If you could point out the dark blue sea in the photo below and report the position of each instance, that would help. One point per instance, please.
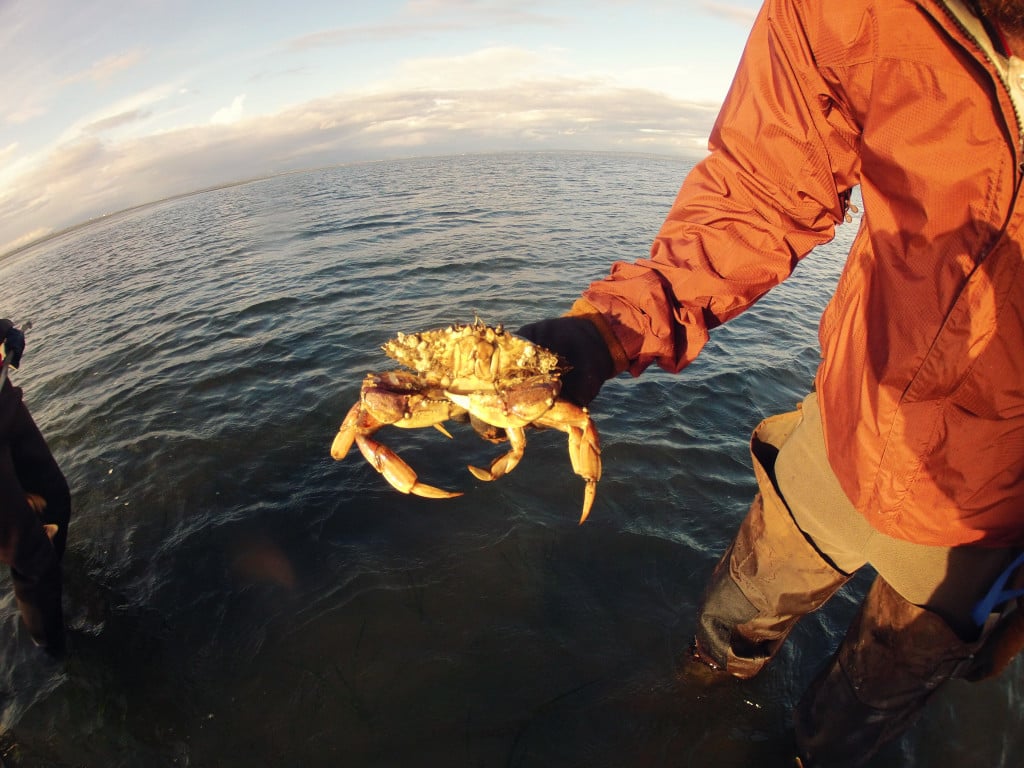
(238, 598)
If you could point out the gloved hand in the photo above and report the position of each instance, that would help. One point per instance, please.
(580, 345)
(13, 340)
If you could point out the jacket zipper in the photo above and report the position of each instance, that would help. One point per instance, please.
(1018, 182)
(993, 67)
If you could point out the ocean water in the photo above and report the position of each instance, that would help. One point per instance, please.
(238, 598)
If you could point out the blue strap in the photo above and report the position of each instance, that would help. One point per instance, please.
(998, 594)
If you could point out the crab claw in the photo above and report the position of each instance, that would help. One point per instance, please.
(589, 492)
(585, 456)
(399, 474)
(584, 446)
(347, 432)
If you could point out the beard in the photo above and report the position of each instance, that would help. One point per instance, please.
(1007, 14)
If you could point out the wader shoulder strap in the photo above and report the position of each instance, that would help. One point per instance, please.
(998, 593)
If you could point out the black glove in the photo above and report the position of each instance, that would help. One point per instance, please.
(580, 345)
(13, 341)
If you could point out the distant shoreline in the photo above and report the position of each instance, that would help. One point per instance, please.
(141, 206)
(241, 182)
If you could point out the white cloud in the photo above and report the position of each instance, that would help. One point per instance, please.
(117, 121)
(743, 15)
(128, 110)
(107, 68)
(90, 174)
(230, 114)
(23, 113)
(429, 18)
(7, 152)
(489, 68)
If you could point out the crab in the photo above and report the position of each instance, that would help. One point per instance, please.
(483, 374)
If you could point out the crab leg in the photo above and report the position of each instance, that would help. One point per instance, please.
(356, 428)
(507, 462)
(399, 474)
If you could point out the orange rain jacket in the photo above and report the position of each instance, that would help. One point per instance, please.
(921, 382)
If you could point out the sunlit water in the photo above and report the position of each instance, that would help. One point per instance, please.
(237, 598)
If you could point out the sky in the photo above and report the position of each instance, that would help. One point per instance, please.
(108, 105)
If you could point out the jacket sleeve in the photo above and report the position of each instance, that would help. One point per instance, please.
(776, 182)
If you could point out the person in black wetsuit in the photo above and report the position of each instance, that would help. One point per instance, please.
(35, 507)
